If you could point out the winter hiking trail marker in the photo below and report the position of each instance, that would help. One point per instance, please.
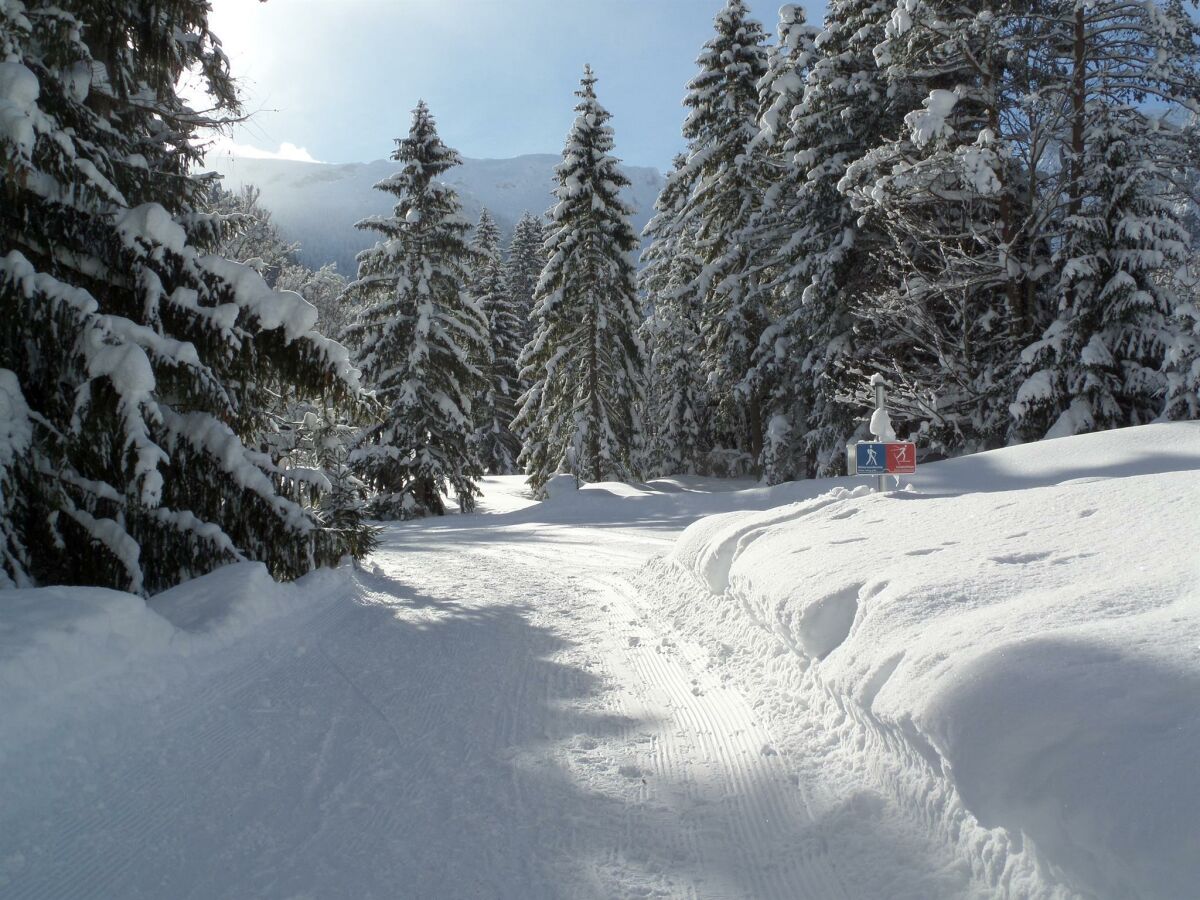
(885, 455)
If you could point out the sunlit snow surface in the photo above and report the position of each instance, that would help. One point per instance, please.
(983, 686)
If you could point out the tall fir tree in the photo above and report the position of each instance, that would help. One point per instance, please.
(1129, 75)
(938, 323)
(833, 257)
(1101, 362)
(134, 363)
(676, 403)
(495, 407)
(585, 361)
(526, 259)
(1183, 353)
(774, 231)
(420, 337)
(721, 124)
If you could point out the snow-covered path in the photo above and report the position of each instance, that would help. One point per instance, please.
(496, 717)
(517, 704)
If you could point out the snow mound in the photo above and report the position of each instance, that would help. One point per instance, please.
(1011, 647)
(229, 602)
(560, 488)
(59, 644)
(52, 639)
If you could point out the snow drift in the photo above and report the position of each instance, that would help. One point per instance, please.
(1010, 645)
(59, 645)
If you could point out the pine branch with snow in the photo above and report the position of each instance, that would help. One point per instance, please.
(145, 362)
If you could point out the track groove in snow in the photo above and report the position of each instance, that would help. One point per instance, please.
(737, 808)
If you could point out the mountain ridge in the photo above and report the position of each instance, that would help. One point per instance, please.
(316, 204)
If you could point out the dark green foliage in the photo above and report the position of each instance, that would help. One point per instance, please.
(143, 362)
(496, 405)
(420, 337)
(584, 363)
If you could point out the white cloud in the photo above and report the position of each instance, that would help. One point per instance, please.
(287, 150)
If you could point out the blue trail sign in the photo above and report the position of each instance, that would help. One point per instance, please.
(885, 458)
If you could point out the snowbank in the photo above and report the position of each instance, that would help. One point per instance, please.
(58, 645)
(1010, 646)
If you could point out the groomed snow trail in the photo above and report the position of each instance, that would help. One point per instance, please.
(495, 715)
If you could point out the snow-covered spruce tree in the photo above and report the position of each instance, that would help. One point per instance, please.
(939, 324)
(1130, 77)
(134, 363)
(485, 239)
(526, 259)
(324, 288)
(1183, 354)
(1100, 363)
(676, 414)
(584, 363)
(847, 108)
(419, 337)
(249, 235)
(774, 230)
(723, 103)
(496, 404)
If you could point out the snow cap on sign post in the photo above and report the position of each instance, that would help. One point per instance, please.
(881, 423)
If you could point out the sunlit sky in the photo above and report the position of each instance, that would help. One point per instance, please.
(335, 80)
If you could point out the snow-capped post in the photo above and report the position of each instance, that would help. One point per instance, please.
(885, 455)
(881, 423)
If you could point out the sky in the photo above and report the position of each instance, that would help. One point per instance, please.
(336, 80)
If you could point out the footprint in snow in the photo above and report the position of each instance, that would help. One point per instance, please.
(1016, 559)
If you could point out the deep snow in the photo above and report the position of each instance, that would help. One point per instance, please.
(984, 685)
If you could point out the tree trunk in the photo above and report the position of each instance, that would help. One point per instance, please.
(594, 387)
(755, 425)
(1078, 110)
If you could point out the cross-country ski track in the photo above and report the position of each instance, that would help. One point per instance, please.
(495, 712)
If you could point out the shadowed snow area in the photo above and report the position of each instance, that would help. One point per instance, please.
(982, 685)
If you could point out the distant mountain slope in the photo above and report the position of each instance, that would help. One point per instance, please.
(317, 204)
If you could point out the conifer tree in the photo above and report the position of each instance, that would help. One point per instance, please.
(1183, 353)
(526, 259)
(485, 239)
(1100, 363)
(1111, 354)
(134, 363)
(419, 337)
(833, 257)
(722, 123)
(585, 360)
(496, 404)
(676, 404)
(771, 236)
